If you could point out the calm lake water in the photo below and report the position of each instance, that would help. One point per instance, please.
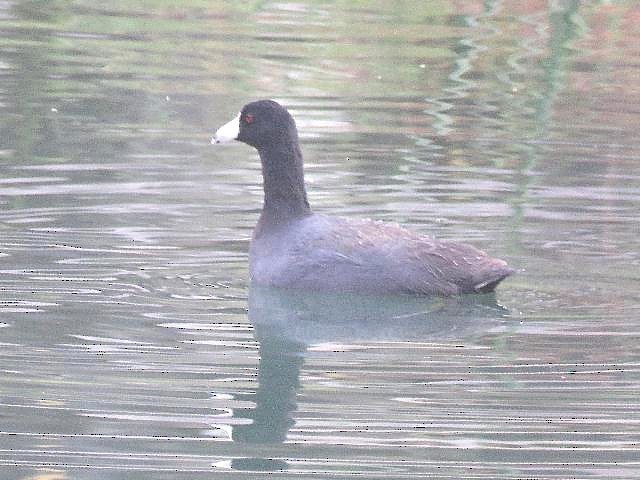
(131, 344)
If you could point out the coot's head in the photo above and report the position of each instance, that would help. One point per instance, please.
(260, 124)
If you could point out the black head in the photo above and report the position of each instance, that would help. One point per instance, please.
(260, 124)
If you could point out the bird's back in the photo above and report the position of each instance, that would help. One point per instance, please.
(339, 254)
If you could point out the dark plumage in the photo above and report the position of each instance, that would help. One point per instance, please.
(293, 247)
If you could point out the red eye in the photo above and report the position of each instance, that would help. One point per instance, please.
(249, 118)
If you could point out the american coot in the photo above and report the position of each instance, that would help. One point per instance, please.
(292, 247)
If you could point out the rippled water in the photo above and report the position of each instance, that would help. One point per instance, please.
(131, 343)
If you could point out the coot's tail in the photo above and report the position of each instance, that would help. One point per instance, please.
(491, 278)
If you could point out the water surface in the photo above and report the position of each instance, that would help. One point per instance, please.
(131, 341)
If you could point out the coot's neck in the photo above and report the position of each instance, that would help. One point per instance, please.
(285, 197)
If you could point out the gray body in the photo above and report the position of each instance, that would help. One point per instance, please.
(351, 255)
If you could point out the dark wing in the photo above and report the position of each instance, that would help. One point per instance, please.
(374, 256)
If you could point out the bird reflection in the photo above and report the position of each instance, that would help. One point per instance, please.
(287, 322)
